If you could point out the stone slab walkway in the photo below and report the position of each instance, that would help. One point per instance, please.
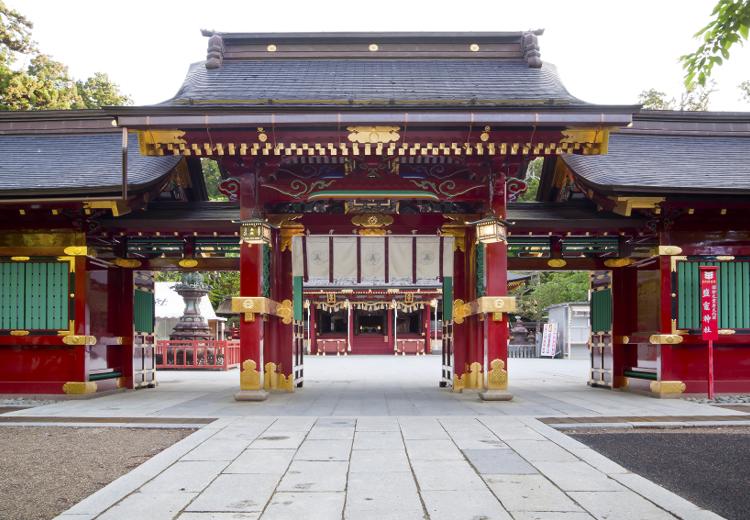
(357, 386)
(454, 468)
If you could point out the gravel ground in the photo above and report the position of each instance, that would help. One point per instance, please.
(708, 466)
(45, 470)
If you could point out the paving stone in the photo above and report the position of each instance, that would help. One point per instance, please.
(307, 506)
(551, 515)
(599, 461)
(656, 494)
(619, 505)
(365, 440)
(421, 428)
(377, 424)
(307, 475)
(378, 461)
(324, 450)
(261, 461)
(280, 440)
(577, 476)
(541, 451)
(328, 432)
(529, 493)
(219, 516)
(432, 450)
(499, 461)
(236, 493)
(217, 450)
(483, 443)
(335, 422)
(463, 505)
(291, 424)
(149, 505)
(185, 476)
(445, 475)
(382, 495)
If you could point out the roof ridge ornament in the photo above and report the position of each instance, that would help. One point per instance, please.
(215, 53)
(530, 47)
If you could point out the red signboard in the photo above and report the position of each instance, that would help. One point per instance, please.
(709, 303)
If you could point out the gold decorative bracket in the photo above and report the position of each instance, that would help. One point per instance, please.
(76, 340)
(252, 305)
(665, 339)
(494, 305)
(625, 205)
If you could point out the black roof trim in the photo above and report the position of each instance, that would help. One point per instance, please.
(369, 37)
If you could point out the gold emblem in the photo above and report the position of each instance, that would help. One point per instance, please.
(373, 134)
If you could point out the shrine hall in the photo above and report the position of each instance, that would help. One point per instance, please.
(372, 184)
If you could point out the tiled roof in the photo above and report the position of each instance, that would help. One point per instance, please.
(374, 82)
(650, 163)
(34, 164)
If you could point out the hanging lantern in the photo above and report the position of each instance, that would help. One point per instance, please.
(490, 230)
(255, 231)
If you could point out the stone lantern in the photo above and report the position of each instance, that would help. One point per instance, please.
(519, 333)
(192, 325)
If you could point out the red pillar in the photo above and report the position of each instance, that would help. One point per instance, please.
(460, 340)
(251, 324)
(121, 294)
(497, 285)
(624, 317)
(313, 325)
(426, 328)
(389, 313)
(284, 353)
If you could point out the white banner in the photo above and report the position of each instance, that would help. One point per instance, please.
(549, 340)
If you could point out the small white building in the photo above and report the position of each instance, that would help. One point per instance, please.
(573, 328)
(169, 307)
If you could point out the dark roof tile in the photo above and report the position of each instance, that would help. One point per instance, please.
(77, 163)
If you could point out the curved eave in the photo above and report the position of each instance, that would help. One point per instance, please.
(527, 115)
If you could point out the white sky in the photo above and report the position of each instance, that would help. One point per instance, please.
(606, 51)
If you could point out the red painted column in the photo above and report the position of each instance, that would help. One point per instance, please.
(460, 353)
(251, 325)
(82, 317)
(496, 271)
(121, 290)
(426, 328)
(313, 325)
(284, 346)
(624, 308)
(389, 313)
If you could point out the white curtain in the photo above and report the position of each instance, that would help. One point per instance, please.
(400, 259)
(345, 260)
(372, 258)
(317, 259)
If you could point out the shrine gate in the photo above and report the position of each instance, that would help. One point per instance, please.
(371, 181)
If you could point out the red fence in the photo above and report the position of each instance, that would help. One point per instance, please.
(202, 354)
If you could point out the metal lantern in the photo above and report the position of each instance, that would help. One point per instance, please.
(490, 230)
(255, 231)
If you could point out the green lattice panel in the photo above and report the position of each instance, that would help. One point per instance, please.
(143, 311)
(34, 296)
(734, 294)
(601, 311)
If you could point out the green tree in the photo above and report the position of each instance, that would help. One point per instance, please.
(533, 174)
(224, 284)
(695, 98)
(99, 91)
(729, 25)
(212, 177)
(744, 91)
(45, 84)
(550, 288)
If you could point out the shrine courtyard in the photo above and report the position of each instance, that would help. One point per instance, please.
(381, 444)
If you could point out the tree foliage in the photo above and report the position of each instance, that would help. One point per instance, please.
(533, 174)
(223, 284)
(744, 91)
(729, 25)
(547, 289)
(44, 84)
(695, 98)
(212, 177)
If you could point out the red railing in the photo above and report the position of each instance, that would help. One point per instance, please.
(201, 354)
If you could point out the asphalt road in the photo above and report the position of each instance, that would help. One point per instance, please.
(711, 468)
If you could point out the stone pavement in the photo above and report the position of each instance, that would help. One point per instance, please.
(374, 437)
(453, 468)
(356, 386)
